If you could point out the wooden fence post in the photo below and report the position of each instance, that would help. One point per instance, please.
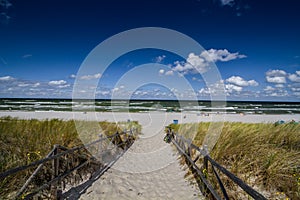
(131, 132)
(55, 164)
(120, 141)
(205, 163)
(100, 147)
(205, 173)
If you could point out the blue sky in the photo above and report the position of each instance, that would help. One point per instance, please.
(255, 45)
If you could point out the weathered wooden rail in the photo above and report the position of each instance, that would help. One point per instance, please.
(62, 164)
(185, 147)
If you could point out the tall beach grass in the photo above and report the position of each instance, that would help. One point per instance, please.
(24, 141)
(265, 156)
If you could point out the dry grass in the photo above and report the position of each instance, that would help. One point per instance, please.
(266, 156)
(25, 141)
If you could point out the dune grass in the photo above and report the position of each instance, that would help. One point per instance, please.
(25, 141)
(265, 156)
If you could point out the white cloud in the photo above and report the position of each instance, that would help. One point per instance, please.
(298, 73)
(294, 77)
(140, 93)
(159, 59)
(295, 89)
(104, 93)
(24, 88)
(199, 63)
(23, 84)
(227, 2)
(36, 85)
(194, 64)
(55, 83)
(213, 89)
(214, 55)
(276, 76)
(297, 94)
(269, 88)
(167, 73)
(275, 92)
(170, 73)
(276, 72)
(239, 81)
(64, 86)
(26, 56)
(180, 67)
(279, 86)
(72, 76)
(205, 91)
(253, 83)
(6, 78)
(120, 88)
(90, 77)
(282, 93)
(233, 88)
(115, 89)
(174, 90)
(276, 79)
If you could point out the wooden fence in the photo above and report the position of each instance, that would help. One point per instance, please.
(185, 147)
(61, 161)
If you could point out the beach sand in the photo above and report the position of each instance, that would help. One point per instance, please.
(147, 118)
(150, 168)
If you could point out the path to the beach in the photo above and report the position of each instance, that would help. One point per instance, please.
(148, 170)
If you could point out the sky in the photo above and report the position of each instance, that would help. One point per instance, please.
(254, 45)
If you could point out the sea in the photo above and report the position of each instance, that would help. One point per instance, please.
(106, 105)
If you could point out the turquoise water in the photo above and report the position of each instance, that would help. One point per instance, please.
(149, 105)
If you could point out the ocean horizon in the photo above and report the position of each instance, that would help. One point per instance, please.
(148, 105)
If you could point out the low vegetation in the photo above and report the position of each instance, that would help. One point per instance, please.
(25, 141)
(265, 156)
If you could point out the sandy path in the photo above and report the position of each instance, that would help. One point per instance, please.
(148, 170)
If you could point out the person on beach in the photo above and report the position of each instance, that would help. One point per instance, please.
(168, 137)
